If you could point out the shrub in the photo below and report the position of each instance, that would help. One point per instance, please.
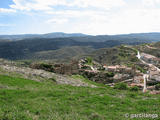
(47, 66)
(132, 95)
(101, 68)
(134, 59)
(121, 86)
(89, 60)
(109, 74)
(135, 88)
(141, 69)
(43, 66)
(122, 54)
(157, 87)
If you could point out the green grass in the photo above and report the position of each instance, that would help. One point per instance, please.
(22, 99)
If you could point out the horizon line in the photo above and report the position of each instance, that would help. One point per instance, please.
(76, 33)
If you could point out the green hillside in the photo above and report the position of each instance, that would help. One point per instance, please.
(46, 95)
(27, 48)
(62, 55)
(23, 99)
(116, 55)
(153, 49)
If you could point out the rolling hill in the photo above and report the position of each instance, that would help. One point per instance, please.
(154, 37)
(60, 45)
(27, 93)
(48, 35)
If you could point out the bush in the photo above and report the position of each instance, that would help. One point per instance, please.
(135, 88)
(134, 59)
(89, 60)
(109, 74)
(132, 95)
(47, 66)
(43, 66)
(141, 69)
(122, 54)
(157, 87)
(121, 86)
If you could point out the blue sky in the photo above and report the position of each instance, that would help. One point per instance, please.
(79, 16)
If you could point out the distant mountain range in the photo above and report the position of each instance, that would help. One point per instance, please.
(65, 46)
(48, 35)
(155, 36)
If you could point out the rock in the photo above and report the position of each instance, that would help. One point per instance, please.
(41, 75)
(156, 78)
(155, 92)
(151, 88)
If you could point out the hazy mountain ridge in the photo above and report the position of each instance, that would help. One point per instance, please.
(20, 49)
(48, 35)
(83, 37)
(30, 48)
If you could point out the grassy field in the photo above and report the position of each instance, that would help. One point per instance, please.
(22, 99)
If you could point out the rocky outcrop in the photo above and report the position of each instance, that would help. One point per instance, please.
(121, 77)
(154, 92)
(150, 58)
(39, 75)
(67, 69)
(98, 77)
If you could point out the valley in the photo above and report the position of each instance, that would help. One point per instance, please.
(71, 78)
(40, 48)
(79, 60)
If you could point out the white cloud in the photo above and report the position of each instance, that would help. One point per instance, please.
(6, 25)
(108, 22)
(3, 10)
(30, 5)
(76, 13)
(57, 21)
(48, 4)
(93, 16)
(102, 4)
(151, 3)
(131, 21)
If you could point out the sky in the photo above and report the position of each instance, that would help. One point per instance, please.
(94, 17)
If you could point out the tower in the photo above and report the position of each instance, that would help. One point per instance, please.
(145, 77)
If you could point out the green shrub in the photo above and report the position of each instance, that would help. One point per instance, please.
(109, 74)
(141, 69)
(101, 68)
(121, 86)
(135, 88)
(89, 60)
(122, 54)
(157, 87)
(43, 66)
(132, 95)
(134, 59)
(46, 65)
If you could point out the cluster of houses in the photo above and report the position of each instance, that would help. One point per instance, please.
(150, 58)
(123, 73)
(117, 68)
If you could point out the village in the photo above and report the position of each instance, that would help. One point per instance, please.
(144, 74)
(121, 73)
